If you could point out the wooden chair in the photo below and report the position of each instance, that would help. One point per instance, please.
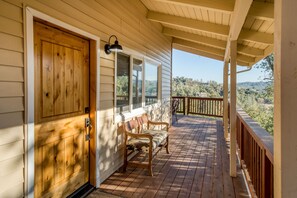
(174, 107)
(144, 140)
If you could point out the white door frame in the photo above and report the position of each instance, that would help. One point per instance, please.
(29, 98)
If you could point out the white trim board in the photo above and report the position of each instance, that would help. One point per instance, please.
(29, 98)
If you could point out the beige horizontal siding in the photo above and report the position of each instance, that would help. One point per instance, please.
(11, 74)
(11, 27)
(12, 184)
(11, 104)
(105, 71)
(11, 119)
(11, 42)
(11, 89)
(16, 190)
(11, 100)
(11, 150)
(106, 87)
(10, 11)
(11, 58)
(11, 134)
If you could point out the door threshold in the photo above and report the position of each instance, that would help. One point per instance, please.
(83, 191)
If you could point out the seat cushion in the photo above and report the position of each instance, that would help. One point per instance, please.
(143, 143)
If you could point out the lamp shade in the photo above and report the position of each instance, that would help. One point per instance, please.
(116, 47)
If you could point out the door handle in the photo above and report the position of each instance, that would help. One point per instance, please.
(88, 125)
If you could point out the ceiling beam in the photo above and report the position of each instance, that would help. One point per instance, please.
(198, 52)
(216, 5)
(210, 50)
(242, 49)
(259, 10)
(199, 47)
(222, 30)
(257, 37)
(262, 10)
(249, 51)
(195, 38)
(241, 9)
(193, 24)
(205, 54)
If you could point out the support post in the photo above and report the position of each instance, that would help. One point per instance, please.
(225, 102)
(233, 55)
(285, 97)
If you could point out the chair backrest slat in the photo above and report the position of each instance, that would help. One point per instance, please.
(131, 126)
(143, 122)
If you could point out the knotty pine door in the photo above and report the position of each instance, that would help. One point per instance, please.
(61, 98)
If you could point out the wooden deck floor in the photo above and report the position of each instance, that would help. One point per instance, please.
(197, 166)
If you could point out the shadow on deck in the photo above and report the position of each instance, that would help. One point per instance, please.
(197, 166)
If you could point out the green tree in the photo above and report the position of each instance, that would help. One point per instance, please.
(259, 104)
(267, 64)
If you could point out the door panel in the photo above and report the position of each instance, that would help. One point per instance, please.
(61, 96)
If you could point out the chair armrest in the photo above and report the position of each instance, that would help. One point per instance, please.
(139, 135)
(159, 123)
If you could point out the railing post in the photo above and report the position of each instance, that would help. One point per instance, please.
(225, 105)
(184, 105)
(188, 105)
(263, 176)
(233, 54)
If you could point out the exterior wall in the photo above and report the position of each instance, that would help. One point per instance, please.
(124, 18)
(11, 100)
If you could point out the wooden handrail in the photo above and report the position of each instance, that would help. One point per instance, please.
(255, 149)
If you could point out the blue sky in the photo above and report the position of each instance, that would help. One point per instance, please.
(198, 67)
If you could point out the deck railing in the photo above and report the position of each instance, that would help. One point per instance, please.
(122, 99)
(255, 149)
(200, 106)
(151, 100)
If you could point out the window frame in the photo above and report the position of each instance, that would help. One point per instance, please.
(115, 83)
(123, 116)
(132, 57)
(159, 78)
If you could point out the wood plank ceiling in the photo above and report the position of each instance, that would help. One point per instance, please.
(206, 27)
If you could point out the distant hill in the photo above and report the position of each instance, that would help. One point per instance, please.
(254, 85)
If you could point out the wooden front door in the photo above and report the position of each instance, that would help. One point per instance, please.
(61, 107)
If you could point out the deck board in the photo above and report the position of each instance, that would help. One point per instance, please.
(197, 166)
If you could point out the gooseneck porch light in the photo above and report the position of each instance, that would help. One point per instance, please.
(114, 47)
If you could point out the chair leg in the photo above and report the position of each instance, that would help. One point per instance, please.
(167, 145)
(150, 165)
(125, 160)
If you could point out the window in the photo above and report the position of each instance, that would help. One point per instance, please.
(123, 82)
(151, 83)
(136, 83)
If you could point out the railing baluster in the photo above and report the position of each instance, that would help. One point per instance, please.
(200, 106)
(256, 157)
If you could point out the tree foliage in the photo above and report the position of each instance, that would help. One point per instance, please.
(256, 98)
(259, 104)
(267, 65)
(182, 86)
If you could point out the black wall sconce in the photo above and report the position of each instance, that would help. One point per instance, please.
(114, 47)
